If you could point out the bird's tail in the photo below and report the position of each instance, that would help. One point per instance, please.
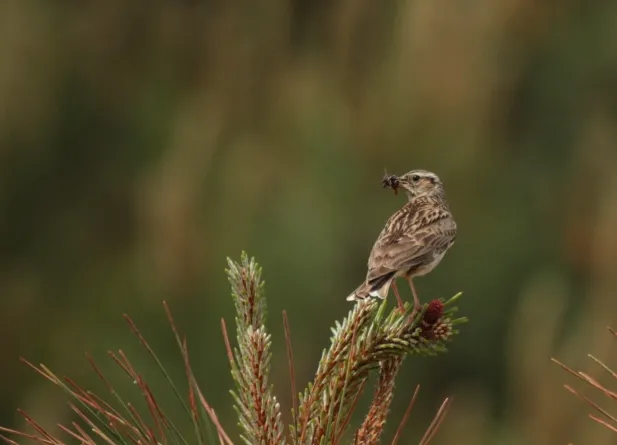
(376, 288)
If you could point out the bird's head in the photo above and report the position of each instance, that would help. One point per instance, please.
(420, 183)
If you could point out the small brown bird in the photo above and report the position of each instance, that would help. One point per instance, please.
(414, 240)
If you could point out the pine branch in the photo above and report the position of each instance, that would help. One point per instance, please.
(247, 292)
(371, 429)
(359, 345)
(359, 317)
(257, 407)
(364, 342)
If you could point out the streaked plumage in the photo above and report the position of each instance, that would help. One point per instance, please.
(414, 239)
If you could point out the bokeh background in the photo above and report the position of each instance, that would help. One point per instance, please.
(141, 143)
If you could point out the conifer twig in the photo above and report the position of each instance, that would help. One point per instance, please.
(371, 429)
(359, 344)
(310, 407)
(257, 407)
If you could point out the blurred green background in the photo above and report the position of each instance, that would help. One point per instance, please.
(141, 143)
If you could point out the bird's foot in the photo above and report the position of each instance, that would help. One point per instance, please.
(401, 306)
(417, 308)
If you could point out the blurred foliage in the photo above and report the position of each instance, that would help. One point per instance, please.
(143, 142)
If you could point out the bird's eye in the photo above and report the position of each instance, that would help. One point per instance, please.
(415, 178)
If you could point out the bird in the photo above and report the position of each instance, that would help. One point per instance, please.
(414, 239)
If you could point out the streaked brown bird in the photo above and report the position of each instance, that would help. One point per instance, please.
(414, 240)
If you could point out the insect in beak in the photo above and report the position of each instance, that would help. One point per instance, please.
(390, 181)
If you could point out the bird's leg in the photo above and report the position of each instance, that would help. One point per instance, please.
(401, 307)
(416, 301)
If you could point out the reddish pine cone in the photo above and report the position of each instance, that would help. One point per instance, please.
(433, 312)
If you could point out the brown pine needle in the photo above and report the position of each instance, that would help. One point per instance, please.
(593, 382)
(605, 367)
(603, 417)
(98, 372)
(73, 434)
(110, 412)
(122, 365)
(436, 423)
(603, 422)
(145, 429)
(192, 401)
(91, 424)
(292, 371)
(155, 412)
(212, 415)
(591, 403)
(230, 354)
(587, 379)
(39, 429)
(195, 389)
(399, 430)
(10, 441)
(352, 408)
(52, 378)
(23, 434)
(79, 429)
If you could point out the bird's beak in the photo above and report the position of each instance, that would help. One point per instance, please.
(399, 185)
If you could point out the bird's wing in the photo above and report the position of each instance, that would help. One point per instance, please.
(410, 237)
